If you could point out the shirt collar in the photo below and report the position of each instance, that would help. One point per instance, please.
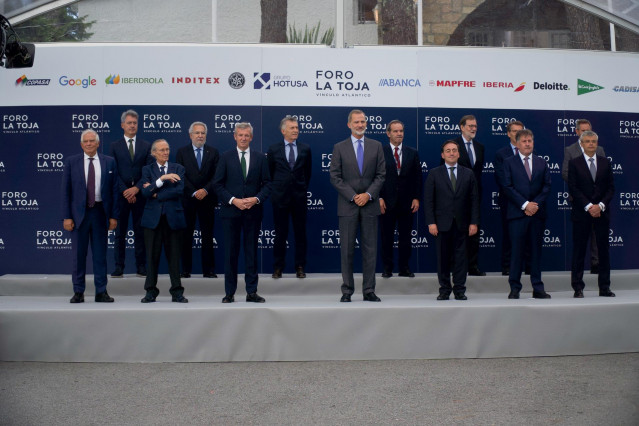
(287, 142)
(465, 141)
(86, 157)
(126, 139)
(398, 146)
(354, 139)
(195, 148)
(165, 165)
(239, 151)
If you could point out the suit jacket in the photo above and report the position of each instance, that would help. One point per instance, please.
(400, 190)
(519, 189)
(168, 200)
(196, 178)
(287, 184)
(441, 204)
(130, 172)
(501, 155)
(574, 151)
(229, 182)
(584, 191)
(74, 188)
(348, 181)
(464, 160)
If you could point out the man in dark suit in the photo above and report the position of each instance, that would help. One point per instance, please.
(163, 220)
(575, 150)
(399, 198)
(502, 154)
(242, 183)
(131, 154)
(357, 172)
(452, 213)
(290, 165)
(199, 161)
(591, 185)
(526, 185)
(89, 211)
(471, 155)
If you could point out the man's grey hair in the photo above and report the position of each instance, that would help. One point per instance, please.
(588, 133)
(97, 137)
(198, 123)
(242, 126)
(128, 112)
(156, 142)
(286, 120)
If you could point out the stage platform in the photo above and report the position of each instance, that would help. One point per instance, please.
(302, 320)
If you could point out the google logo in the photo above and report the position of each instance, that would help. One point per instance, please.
(83, 82)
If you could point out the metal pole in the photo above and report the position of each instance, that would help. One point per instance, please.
(339, 24)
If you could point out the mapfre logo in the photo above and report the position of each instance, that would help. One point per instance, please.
(453, 83)
(24, 81)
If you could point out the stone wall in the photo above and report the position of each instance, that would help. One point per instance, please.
(441, 18)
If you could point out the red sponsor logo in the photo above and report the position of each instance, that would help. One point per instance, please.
(453, 83)
(520, 87)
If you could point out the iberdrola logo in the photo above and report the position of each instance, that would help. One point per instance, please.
(112, 79)
(584, 87)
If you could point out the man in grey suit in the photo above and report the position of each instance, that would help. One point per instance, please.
(357, 172)
(575, 151)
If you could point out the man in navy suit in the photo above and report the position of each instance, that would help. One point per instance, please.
(591, 185)
(452, 213)
(399, 199)
(471, 155)
(89, 211)
(131, 154)
(526, 185)
(242, 183)
(502, 154)
(290, 165)
(199, 161)
(163, 220)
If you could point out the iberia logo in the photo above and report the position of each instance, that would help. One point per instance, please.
(112, 79)
(584, 87)
(521, 87)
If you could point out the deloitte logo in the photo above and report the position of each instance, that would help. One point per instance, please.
(584, 87)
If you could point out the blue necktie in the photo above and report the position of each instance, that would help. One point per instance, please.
(291, 156)
(198, 156)
(161, 170)
(471, 158)
(360, 156)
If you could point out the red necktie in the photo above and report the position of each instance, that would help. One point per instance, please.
(397, 159)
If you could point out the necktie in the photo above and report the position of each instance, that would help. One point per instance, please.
(593, 169)
(91, 184)
(198, 157)
(397, 160)
(161, 170)
(453, 179)
(131, 153)
(291, 156)
(360, 156)
(516, 151)
(527, 167)
(471, 157)
(243, 163)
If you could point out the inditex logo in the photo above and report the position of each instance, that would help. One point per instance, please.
(195, 80)
(24, 81)
(77, 82)
(584, 87)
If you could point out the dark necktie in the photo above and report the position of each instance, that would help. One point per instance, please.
(527, 167)
(516, 151)
(161, 170)
(593, 169)
(471, 157)
(291, 156)
(397, 160)
(243, 164)
(453, 179)
(91, 184)
(360, 156)
(131, 152)
(198, 157)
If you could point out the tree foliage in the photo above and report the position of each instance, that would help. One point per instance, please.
(59, 25)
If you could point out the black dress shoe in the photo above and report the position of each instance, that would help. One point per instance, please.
(229, 298)
(141, 271)
(540, 295)
(606, 293)
(387, 274)
(505, 272)
(255, 298)
(594, 269)
(578, 294)
(185, 275)
(443, 297)
(476, 272)
(103, 298)
(513, 294)
(460, 296)
(277, 274)
(210, 275)
(118, 273)
(149, 298)
(179, 299)
(299, 272)
(371, 297)
(406, 273)
(345, 298)
(77, 298)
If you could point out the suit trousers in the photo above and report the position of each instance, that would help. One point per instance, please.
(580, 236)
(171, 239)
(246, 229)
(120, 242)
(403, 219)
(505, 237)
(92, 230)
(348, 226)
(204, 212)
(296, 210)
(451, 251)
(526, 231)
